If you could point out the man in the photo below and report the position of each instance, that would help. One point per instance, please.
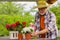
(45, 22)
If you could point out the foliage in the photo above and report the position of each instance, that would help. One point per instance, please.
(27, 30)
(58, 38)
(8, 19)
(10, 13)
(56, 10)
(10, 8)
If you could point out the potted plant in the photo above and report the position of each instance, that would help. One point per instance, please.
(27, 31)
(20, 35)
(15, 28)
(19, 28)
(12, 31)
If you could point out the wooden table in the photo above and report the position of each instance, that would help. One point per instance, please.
(7, 38)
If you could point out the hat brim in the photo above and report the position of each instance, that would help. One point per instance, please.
(40, 6)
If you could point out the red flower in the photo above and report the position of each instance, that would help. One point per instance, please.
(8, 26)
(23, 23)
(17, 23)
(13, 25)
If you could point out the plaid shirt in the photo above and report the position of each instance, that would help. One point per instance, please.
(50, 24)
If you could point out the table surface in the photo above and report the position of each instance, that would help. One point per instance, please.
(7, 38)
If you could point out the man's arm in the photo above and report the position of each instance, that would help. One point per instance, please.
(50, 26)
(43, 31)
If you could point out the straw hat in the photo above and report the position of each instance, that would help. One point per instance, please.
(44, 3)
(41, 4)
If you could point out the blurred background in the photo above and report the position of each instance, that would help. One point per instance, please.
(11, 12)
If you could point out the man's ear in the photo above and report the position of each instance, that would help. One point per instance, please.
(51, 1)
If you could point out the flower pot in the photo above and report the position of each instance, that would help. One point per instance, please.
(28, 36)
(20, 36)
(13, 34)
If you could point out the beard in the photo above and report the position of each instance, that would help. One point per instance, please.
(43, 12)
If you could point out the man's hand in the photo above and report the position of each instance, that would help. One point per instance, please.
(35, 33)
(40, 32)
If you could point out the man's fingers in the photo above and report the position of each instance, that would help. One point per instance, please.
(32, 34)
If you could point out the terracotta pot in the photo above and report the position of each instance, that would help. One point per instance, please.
(28, 36)
(20, 36)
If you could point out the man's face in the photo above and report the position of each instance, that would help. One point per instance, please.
(42, 10)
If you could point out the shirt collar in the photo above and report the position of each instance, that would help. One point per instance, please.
(47, 12)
